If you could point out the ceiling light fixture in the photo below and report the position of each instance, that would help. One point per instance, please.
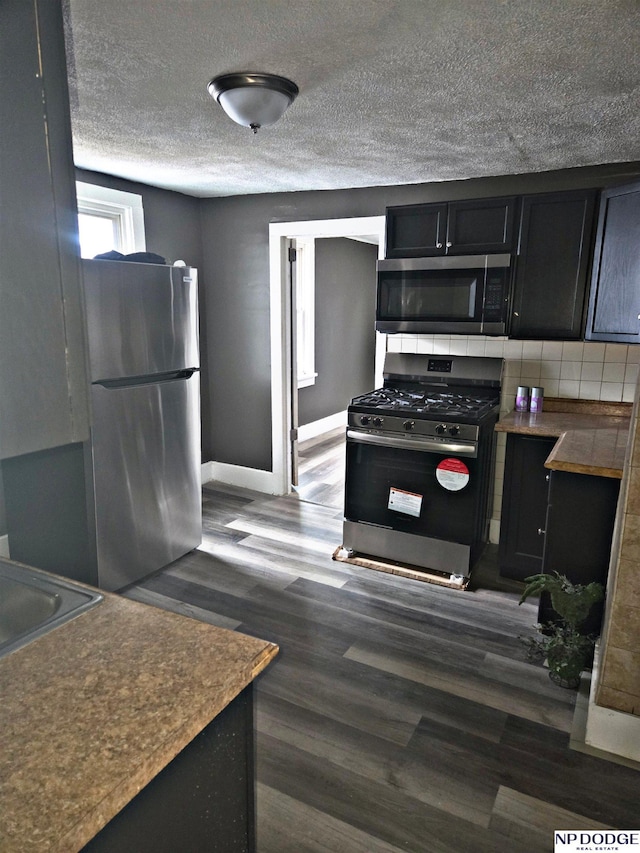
(253, 100)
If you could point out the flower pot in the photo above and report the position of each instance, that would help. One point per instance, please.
(569, 683)
(566, 665)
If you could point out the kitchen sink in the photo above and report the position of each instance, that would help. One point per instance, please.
(33, 602)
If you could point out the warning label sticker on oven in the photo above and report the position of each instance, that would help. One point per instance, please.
(452, 474)
(407, 502)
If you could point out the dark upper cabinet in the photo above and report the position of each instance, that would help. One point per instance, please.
(554, 250)
(416, 230)
(614, 305)
(483, 225)
(456, 228)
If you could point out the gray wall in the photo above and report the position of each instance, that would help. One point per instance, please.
(3, 515)
(235, 234)
(345, 307)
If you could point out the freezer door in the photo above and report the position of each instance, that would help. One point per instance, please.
(141, 318)
(147, 482)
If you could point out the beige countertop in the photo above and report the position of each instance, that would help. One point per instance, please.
(592, 437)
(93, 710)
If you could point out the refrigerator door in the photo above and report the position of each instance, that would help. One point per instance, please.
(141, 318)
(147, 484)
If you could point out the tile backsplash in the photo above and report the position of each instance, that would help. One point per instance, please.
(576, 370)
(582, 371)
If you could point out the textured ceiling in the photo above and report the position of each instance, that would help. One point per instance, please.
(391, 91)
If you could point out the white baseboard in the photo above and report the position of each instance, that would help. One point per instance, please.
(243, 478)
(266, 481)
(315, 428)
(609, 730)
(4, 546)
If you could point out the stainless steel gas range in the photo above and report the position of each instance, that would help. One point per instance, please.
(420, 462)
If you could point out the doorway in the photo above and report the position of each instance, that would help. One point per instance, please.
(333, 349)
(369, 229)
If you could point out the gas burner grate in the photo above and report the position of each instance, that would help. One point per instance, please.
(427, 402)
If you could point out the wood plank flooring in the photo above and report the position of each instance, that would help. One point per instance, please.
(321, 469)
(399, 715)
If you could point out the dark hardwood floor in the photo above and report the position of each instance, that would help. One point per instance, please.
(321, 469)
(399, 715)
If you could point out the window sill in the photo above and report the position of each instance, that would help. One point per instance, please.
(307, 381)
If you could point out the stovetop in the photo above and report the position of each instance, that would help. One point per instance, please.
(430, 403)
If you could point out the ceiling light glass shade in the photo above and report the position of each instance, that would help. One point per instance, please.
(253, 100)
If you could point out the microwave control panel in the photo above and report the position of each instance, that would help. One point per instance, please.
(494, 297)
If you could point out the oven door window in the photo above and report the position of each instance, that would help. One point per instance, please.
(430, 295)
(378, 476)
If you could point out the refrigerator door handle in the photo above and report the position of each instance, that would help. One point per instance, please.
(166, 376)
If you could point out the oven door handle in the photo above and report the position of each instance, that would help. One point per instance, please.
(413, 443)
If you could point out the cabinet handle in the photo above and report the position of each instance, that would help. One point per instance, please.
(541, 532)
(439, 246)
(449, 245)
(515, 314)
(548, 476)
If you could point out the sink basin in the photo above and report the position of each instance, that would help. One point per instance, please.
(33, 602)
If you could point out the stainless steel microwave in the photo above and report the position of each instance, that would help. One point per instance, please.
(464, 295)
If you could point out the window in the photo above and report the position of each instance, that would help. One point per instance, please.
(109, 219)
(305, 280)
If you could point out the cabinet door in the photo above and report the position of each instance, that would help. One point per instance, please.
(479, 226)
(43, 381)
(614, 308)
(416, 230)
(524, 506)
(549, 296)
(579, 529)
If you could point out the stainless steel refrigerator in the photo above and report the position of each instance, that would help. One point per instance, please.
(128, 502)
(142, 328)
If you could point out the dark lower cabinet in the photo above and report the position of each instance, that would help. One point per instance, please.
(524, 506)
(202, 802)
(579, 528)
(554, 521)
(554, 251)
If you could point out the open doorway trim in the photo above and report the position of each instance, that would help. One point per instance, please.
(280, 309)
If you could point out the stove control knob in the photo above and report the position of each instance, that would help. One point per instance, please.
(365, 420)
(377, 422)
(409, 425)
(441, 429)
(454, 430)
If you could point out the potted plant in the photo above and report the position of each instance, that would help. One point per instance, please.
(567, 649)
